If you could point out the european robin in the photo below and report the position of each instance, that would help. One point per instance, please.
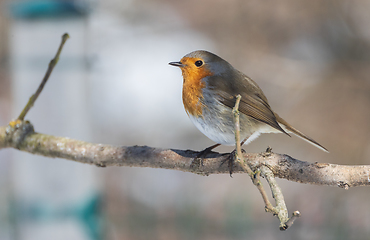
(210, 87)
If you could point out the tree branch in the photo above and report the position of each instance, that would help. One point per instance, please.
(22, 137)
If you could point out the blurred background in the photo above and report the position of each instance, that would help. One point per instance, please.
(113, 85)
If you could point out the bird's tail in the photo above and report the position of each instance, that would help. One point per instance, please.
(290, 129)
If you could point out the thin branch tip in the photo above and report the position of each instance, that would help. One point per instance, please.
(289, 223)
(51, 66)
(65, 37)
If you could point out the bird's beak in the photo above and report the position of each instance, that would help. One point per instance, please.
(177, 64)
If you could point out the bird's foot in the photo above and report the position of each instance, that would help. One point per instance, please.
(198, 161)
(230, 158)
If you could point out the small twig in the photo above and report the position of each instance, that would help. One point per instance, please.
(295, 215)
(239, 158)
(239, 155)
(257, 182)
(280, 210)
(52, 64)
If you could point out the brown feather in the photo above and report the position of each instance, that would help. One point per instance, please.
(253, 107)
(290, 128)
(253, 102)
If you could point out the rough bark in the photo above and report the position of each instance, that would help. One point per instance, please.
(22, 137)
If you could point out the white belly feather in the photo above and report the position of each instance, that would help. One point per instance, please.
(214, 132)
(224, 134)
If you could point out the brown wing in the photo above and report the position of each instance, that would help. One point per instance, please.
(253, 102)
(253, 106)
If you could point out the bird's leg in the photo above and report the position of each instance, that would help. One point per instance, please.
(231, 158)
(198, 160)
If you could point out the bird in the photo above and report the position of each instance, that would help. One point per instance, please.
(210, 87)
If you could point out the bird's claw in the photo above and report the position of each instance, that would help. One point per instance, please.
(231, 160)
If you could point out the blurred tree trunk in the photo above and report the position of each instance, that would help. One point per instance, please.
(4, 63)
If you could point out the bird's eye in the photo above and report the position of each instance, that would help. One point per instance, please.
(198, 63)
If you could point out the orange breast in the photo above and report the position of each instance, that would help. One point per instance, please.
(192, 89)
